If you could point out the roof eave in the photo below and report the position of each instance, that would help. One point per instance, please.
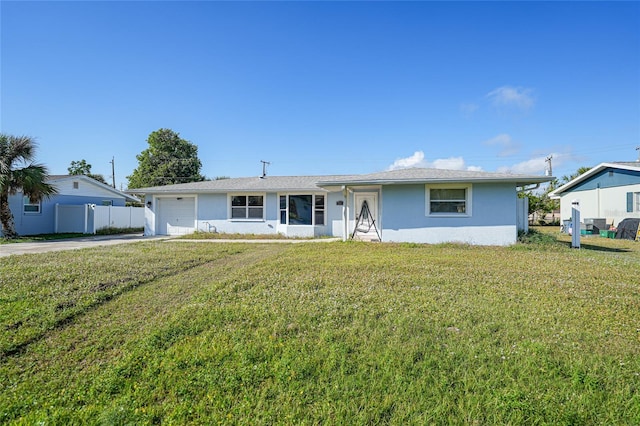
(105, 186)
(518, 180)
(557, 193)
(226, 191)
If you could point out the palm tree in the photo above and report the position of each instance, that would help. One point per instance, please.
(19, 173)
(581, 170)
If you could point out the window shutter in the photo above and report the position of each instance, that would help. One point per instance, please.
(629, 202)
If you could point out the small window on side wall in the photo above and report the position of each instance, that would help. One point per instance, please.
(29, 207)
(633, 202)
(448, 200)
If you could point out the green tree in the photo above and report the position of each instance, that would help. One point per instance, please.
(568, 178)
(79, 168)
(83, 168)
(540, 205)
(168, 160)
(19, 173)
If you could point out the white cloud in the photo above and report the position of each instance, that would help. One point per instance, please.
(451, 163)
(508, 96)
(538, 165)
(418, 160)
(468, 108)
(506, 143)
(534, 166)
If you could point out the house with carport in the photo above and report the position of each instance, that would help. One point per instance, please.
(409, 205)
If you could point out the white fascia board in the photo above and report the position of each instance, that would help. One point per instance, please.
(517, 180)
(557, 193)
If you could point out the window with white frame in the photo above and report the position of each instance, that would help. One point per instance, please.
(247, 207)
(302, 209)
(448, 200)
(633, 202)
(29, 207)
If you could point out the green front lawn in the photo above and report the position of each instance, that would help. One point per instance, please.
(65, 236)
(40, 238)
(335, 333)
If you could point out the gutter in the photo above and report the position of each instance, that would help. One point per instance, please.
(524, 188)
(426, 181)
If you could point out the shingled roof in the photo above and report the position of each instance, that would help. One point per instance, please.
(420, 175)
(54, 179)
(245, 184)
(317, 183)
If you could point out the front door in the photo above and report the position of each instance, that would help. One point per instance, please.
(366, 225)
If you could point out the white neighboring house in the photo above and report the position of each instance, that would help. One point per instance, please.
(608, 191)
(409, 205)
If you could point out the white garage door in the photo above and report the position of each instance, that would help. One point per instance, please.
(176, 216)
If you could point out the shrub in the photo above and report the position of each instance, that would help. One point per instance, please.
(536, 237)
(114, 231)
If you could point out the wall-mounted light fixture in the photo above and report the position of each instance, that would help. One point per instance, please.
(148, 204)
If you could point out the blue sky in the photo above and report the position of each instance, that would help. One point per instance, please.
(325, 87)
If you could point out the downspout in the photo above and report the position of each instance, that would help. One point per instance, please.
(55, 219)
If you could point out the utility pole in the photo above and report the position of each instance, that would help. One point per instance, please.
(549, 171)
(264, 168)
(113, 171)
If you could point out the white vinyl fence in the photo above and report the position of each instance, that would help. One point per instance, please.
(89, 218)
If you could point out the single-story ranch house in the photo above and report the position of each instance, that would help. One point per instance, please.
(409, 205)
(52, 215)
(608, 191)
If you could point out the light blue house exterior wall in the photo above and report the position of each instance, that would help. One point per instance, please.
(399, 207)
(401, 213)
(492, 221)
(213, 216)
(44, 221)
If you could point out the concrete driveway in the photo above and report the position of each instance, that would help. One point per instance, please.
(72, 243)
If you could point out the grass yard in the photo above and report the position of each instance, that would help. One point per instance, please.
(39, 238)
(224, 236)
(65, 236)
(335, 333)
